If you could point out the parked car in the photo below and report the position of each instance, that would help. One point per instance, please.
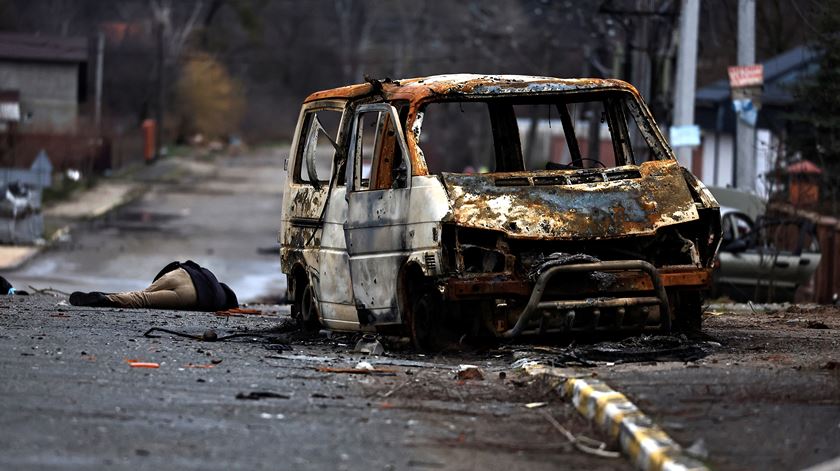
(414, 207)
(765, 260)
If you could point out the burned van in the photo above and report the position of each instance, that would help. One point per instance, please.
(500, 205)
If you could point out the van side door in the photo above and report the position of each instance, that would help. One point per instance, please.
(378, 189)
(315, 210)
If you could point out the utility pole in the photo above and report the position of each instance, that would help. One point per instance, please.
(161, 89)
(640, 53)
(744, 175)
(686, 75)
(100, 58)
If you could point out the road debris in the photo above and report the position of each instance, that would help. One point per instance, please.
(816, 325)
(210, 335)
(207, 336)
(698, 450)
(358, 371)
(830, 365)
(398, 387)
(364, 365)
(49, 291)
(238, 311)
(469, 372)
(535, 405)
(142, 364)
(324, 396)
(257, 395)
(582, 443)
(370, 345)
(645, 348)
(266, 415)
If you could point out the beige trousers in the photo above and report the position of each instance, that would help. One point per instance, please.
(173, 290)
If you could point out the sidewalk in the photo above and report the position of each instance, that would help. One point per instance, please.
(94, 202)
(89, 204)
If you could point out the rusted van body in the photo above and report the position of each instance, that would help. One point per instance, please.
(424, 206)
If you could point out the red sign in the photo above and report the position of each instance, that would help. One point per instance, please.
(746, 75)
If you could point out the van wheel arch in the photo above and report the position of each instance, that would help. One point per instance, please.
(298, 280)
(411, 277)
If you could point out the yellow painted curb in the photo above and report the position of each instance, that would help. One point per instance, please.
(646, 445)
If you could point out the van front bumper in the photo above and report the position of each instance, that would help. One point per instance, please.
(634, 285)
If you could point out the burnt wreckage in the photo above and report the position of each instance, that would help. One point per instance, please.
(465, 203)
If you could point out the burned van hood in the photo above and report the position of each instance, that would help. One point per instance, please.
(617, 202)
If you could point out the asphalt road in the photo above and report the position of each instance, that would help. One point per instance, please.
(71, 400)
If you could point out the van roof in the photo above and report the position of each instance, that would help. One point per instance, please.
(414, 89)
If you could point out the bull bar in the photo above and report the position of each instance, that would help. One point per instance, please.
(536, 305)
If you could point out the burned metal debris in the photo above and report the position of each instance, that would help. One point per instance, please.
(638, 349)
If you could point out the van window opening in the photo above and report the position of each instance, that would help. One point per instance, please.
(594, 130)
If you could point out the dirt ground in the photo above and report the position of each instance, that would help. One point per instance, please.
(767, 397)
(801, 336)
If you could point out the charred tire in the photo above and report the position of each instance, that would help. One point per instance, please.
(428, 327)
(310, 318)
(688, 311)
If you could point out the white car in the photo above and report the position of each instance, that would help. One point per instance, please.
(764, 260)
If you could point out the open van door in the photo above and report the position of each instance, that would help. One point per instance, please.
(378, 188)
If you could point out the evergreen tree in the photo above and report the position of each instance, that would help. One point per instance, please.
(816, 125)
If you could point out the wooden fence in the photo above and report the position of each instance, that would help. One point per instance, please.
(825, 285)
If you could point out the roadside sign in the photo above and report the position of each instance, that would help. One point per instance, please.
(746, 76)
(685, 136)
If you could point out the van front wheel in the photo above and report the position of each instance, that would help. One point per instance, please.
(430, 329)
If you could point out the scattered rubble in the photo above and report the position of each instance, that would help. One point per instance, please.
(257, 395)
(535, 405)
(469, 372)
(358, 371)
(370, 345)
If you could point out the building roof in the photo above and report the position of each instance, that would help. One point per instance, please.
(780, 74)
(804, 166)
(40, 48)
(469, 85)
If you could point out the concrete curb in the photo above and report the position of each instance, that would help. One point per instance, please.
(646, 445)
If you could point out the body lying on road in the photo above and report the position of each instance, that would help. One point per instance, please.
(179, 285)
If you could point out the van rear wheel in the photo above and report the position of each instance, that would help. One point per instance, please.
(309, 316)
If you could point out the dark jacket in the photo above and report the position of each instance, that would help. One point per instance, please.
(212, 295)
